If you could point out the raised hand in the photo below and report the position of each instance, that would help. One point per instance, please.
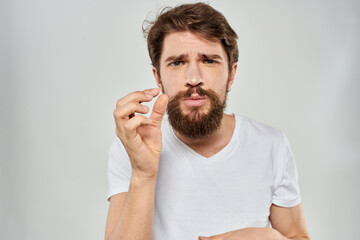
(141, 136)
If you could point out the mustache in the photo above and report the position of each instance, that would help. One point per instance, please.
(196, 89)
(175, 100)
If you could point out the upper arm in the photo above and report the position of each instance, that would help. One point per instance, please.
(289, 221)
(116, 204)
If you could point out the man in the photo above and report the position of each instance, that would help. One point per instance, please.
(199, 172)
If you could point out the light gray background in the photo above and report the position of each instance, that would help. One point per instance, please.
(65, 63)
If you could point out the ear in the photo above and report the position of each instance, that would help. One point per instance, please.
(157, 78)
(232, 76)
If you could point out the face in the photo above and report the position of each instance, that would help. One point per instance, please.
(194, 73)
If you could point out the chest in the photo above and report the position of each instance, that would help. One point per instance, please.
(232, 193)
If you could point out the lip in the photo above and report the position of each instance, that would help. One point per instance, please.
(195, 101)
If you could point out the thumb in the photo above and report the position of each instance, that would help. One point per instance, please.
(159, 108)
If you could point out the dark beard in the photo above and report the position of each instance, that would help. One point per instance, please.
(196, 125)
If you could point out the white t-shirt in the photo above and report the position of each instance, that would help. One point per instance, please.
(233, 189)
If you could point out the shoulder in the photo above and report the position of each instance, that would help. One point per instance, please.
(255, 128)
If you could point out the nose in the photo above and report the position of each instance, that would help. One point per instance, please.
(193, 76)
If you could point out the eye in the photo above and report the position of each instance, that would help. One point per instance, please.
(210, 61)
(176, 63)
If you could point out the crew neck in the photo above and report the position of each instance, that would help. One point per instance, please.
(217, 156)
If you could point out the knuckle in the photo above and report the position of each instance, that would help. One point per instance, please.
(116, 114)
(142, 93)
(136, 94)
(119, 103)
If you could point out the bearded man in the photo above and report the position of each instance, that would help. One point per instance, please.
(198, 173)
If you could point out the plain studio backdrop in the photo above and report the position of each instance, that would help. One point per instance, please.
(65, 63)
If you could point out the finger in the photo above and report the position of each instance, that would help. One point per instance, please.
(130, 109)
(206, 238)
(138, 96)
(134, 123)
(210, 238)
(217, 237)
(159, 108)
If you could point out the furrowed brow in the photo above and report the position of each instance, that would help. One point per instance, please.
(211, 56)
(175, 58)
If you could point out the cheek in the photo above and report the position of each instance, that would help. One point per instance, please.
(218, 83)
(172, 84)
(169, 89)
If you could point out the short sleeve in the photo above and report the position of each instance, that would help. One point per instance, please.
(286, 192)
(119, 169)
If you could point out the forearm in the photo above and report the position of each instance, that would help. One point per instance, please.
(279, 236)
(293, 238)
(265, 233)
(136, 218)
(298, 238)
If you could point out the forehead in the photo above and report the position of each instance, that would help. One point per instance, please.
(187, 43)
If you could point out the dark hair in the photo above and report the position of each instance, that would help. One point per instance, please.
(198, 18)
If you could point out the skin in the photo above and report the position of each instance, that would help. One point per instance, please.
(142, 139)
(187, 60)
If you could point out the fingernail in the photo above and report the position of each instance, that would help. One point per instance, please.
(148, 95)
(145, 107)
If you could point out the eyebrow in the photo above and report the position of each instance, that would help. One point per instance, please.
(175, 58)
(211, 56)
(183, 56)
